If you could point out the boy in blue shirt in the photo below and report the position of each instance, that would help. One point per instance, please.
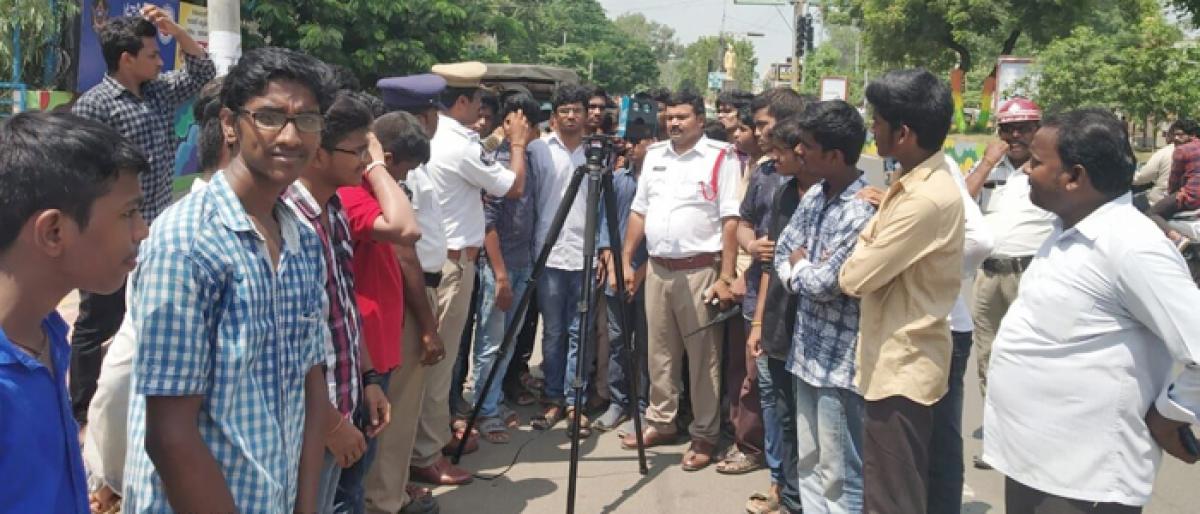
(69, 219)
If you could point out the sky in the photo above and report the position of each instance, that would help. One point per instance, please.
(694, 18)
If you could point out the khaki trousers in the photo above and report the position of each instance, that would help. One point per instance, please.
(674, 307)
(453, 305)
(388, 476)
(994, 294)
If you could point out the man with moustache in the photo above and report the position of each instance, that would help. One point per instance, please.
(1018, 226)
(686, 207)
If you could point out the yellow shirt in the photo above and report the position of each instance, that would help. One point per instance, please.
(907, 269)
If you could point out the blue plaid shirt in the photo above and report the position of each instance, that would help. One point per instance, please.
(826, 334)
(213, 319)
(148, 121)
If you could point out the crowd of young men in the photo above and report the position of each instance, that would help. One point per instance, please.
(295, 323)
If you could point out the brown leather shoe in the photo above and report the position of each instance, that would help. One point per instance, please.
(452, 446)
(698, 456)
(441, 473)
(651, 437)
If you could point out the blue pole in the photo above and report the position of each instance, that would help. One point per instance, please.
(16, 53)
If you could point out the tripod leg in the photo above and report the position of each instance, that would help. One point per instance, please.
(522, 306)
(632, 361)
(586, 307)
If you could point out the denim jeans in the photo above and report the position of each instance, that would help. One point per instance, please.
(489, 335)
(829, 432)
(558, 296)
(777, 398)
(327, 488)
(618, 374)
(946, 444)
(351, 495)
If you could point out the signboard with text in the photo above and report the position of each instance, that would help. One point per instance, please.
(834, 88)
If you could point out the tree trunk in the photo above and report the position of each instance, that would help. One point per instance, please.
(964, 55)
(1011, 42)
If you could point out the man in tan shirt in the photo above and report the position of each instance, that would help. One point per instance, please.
(907, 268)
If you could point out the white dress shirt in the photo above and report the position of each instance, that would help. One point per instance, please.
(1018, 226)
(1104, 311)
(977, 245)
(556, 164)
(457, 172)
(431, 248)
(683, 214)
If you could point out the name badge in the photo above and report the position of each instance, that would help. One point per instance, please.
(659, 168)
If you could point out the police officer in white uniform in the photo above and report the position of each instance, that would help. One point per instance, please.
(686, 207)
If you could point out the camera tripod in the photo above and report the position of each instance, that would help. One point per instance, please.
(600, 182)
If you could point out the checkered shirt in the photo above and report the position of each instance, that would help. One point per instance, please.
(825, 339)
(149, 121)
(214, 319)
(1185, 175)
(343, 348)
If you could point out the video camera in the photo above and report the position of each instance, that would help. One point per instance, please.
(638, 119)
(598, 149)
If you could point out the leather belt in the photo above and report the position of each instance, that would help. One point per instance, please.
(1007, 264)
(471, 252)
(433, 280)
(698, 261)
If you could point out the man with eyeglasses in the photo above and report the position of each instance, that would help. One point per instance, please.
(229, 407)
(1017, 225)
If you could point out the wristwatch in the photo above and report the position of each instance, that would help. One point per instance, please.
(372, 377)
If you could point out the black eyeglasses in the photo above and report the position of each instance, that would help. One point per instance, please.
(361, 154)
(310, 122)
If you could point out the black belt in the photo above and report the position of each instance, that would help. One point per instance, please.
(1007, 264)
(433, 280)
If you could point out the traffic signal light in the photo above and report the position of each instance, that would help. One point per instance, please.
(808, 33)
(802, 32)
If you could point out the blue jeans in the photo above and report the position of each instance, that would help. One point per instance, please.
(946, 442)
(558, 296)
(618, 375)
(351, 496)
(829, 434)
(777, 398)
(489, 335)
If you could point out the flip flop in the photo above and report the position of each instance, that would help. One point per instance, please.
(493, 431)
(549, 417)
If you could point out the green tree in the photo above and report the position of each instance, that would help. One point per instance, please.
(40, 28)
(659, 37)
(706, 55)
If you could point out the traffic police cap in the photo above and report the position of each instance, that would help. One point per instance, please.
(461, 74)
(412, 91)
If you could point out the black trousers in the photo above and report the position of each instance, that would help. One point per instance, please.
(99, 318)
(1024, 499)
(896, 442)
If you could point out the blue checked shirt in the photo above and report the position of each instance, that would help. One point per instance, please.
(213, 319)
(826, 334)
(149, 121)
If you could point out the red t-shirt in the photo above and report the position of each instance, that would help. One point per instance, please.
(378, 284)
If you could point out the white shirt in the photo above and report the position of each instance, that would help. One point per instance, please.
(680, 220)
(1157, 171)
(1018, 226)
(556, 164)
(1104, 311)
(431, 248)
(457, 172)
(977, 245)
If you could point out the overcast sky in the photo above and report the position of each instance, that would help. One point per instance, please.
(694, 18)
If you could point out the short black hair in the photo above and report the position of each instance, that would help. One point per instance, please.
(917, 99)
(490, 100)
(659, 94)
(1096, 140)
(1188, 126)
(687, 98)
(745, 116)
(58, 161)
(523, 102)
(835, 125)
(735, 98)
(780, 103)
(450, 95)
(403, 135)
(348, 113)
(570, 94)
(257, 68)
(600, 92)
(716, 130)
(343, 78)
(206, 111)
(121, 35)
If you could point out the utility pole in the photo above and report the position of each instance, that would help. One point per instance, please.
(798, 36)
(224, 33)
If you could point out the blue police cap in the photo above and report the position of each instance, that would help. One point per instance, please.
(412, 91)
